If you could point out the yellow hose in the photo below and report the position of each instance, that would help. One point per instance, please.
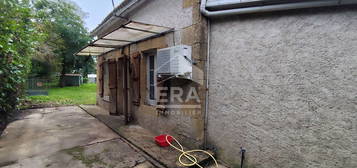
(187, 154)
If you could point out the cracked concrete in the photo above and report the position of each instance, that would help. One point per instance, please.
(65, 137)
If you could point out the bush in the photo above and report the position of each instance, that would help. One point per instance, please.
(17, 42)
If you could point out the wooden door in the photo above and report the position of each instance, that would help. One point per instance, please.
(122, 101)
(112, 66)
(121, 89)
(122, 80)
(135, 77)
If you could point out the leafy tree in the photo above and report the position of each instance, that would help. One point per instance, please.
(18, 40)
(48, 32)
(63, 24)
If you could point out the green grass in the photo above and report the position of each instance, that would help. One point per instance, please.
(84, 94)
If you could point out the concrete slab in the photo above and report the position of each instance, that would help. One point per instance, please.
(112, 154)
(65, 137)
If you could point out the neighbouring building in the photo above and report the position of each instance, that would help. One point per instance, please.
(92, 78)
(276, 78)
(73, 79)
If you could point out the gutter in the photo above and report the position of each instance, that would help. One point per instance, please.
(216, 12)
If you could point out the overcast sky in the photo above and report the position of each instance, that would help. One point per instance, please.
(96, 10)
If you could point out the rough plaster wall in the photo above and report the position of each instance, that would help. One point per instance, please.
(284, 87)
(164, 13)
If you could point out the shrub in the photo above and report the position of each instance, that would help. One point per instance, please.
(17, 43)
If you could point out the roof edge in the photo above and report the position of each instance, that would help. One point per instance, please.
(116, 15)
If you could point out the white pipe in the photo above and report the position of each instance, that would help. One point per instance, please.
(269, 8)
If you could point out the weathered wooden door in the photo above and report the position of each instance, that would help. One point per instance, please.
(122, 101)
(112, 66)
(121, 88)
(126, 89)
(124, 84)
(135, 78)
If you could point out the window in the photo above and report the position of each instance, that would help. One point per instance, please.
(106, 91)
(151, 78)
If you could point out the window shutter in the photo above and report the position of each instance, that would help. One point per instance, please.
(112, 65)
(135, 61)
(101, 76)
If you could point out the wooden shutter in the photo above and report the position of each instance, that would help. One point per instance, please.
(120, 87)
(135, 61)
(112, 66)
(101, 76)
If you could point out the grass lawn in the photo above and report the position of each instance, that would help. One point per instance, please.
(84, 94)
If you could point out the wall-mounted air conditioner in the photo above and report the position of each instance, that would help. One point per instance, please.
(175, 61)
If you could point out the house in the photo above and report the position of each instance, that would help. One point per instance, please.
(92, 78)
(126, 47)
(276, 78)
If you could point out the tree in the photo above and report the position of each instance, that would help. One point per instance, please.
(48, 32)
(18, 40)
(63, 24)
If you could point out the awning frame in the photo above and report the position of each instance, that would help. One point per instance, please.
(115, 47)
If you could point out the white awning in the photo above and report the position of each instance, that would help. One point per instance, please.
(129, 33)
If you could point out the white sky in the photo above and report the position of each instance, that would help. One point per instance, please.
(96, 10)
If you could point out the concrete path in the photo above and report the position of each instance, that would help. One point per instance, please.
(65, 137)
(143, 139)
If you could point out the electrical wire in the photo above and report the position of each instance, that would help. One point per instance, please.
(187, 154)
(113, 4)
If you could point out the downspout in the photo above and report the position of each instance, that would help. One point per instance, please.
(269, 8)
(126, 89)
(205, 143)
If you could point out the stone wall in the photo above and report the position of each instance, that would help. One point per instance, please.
(184, 16)
(284, 87)
(189, 29)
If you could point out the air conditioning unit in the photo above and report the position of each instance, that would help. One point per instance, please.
(175, 61)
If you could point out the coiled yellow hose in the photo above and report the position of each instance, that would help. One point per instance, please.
(187, 154)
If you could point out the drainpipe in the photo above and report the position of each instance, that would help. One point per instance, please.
(205, 143)
(269, 8)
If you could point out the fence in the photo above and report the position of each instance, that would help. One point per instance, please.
(36, 86)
